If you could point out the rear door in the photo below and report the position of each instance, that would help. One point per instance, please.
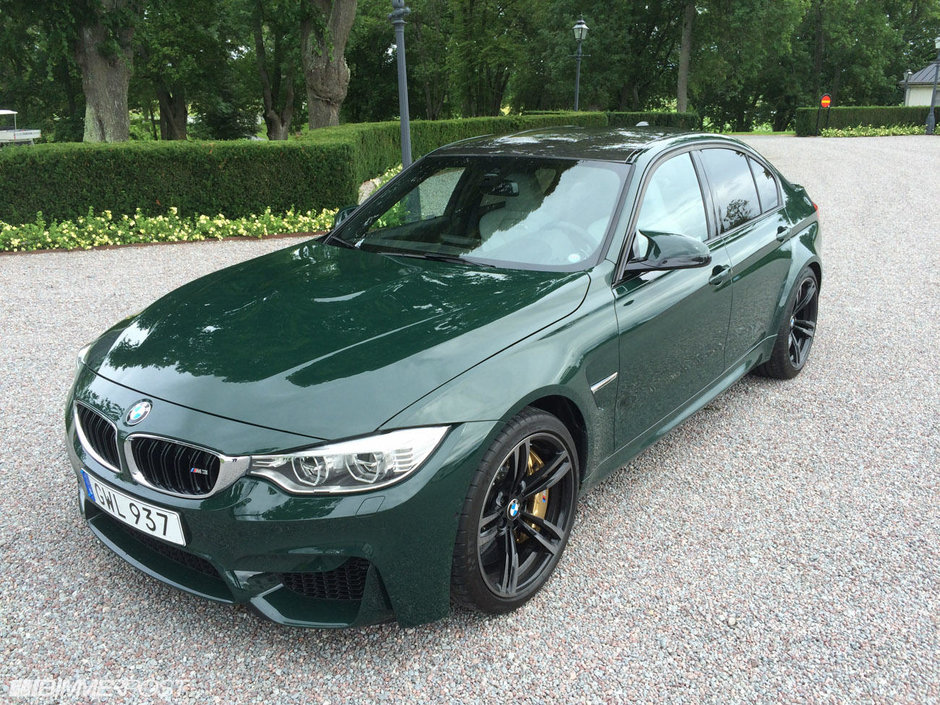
(672, 325)
(751, 227)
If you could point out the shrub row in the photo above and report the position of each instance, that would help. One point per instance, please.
(656, 118)
(852, 116)
(869, 131)
(234, 179)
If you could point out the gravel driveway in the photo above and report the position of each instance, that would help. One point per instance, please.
(782, 546)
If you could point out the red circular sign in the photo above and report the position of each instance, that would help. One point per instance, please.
(826, 101)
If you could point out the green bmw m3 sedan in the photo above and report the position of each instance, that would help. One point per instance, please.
(401, 415)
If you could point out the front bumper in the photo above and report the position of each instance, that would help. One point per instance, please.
(318, 561)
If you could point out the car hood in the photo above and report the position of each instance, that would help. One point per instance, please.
(325, 341)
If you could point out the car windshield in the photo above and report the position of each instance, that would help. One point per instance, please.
(513, 212)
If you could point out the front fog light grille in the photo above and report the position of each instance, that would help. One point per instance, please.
(98, 436)
(348, 582)
(175, 467)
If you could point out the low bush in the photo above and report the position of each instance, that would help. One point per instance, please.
(869, 131)
(852, 116)
(103, 229)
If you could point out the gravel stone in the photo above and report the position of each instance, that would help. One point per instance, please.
(781, 546)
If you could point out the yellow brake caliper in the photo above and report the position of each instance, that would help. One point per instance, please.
(538, 505)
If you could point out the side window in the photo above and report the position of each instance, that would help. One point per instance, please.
(673, 202)
(766, 186)
(733, 187)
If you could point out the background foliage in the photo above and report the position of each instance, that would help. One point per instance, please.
(197, 63)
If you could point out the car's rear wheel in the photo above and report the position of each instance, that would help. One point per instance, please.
(797, 330)
(518, 514)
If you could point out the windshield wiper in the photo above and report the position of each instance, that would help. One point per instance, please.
(332, 239)
(457, 259)
(435, 256)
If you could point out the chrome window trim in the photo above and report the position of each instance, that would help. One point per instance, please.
(83, 439)
(230, 468)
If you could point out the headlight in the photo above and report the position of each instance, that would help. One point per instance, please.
(350, 466)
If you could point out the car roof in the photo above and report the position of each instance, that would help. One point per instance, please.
(572, 142)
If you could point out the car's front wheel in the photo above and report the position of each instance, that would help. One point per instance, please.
(518, 514)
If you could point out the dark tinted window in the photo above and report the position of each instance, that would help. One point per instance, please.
(733, 186)
(766, 186)
(673, 202)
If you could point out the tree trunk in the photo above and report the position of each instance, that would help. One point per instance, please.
(685, 51)
(106, 71)
(276, 121)
(278, 126)
(322, 51)
(174, 114)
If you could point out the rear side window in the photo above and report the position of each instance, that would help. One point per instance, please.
(766, 186)
(733, 186)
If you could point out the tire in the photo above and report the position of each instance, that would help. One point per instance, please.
(517, 516)
(797, 330)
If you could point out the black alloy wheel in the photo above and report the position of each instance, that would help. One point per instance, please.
(518, 514)
(803, 322)
(797, 330)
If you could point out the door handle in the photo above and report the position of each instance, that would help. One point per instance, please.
(719, 274)
(783, 232)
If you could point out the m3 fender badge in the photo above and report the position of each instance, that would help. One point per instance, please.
(137, 413)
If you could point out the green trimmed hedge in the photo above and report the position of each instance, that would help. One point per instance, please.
(852, 116)
(232, 178)
(656, 118)
(235, 179)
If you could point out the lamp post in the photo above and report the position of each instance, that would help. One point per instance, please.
(931, 120)
(397, 18)
(580, 32)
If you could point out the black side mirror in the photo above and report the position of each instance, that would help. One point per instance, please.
(662, 251)
(342, 214)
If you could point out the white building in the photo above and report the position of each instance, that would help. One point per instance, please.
(920, 86)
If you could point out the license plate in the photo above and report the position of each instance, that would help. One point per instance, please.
(152, 520)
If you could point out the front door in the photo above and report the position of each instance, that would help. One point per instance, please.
(672, 325)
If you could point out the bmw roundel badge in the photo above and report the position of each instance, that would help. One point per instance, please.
(137, 413)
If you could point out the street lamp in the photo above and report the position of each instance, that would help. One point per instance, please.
(931, 120)
(580, 32)
(397, 18)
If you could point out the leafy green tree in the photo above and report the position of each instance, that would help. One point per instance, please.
(426, 47)
(180, 55)
(741, 45)
(483, 51)
(38, 74)
(270, 30)
(373, 91)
